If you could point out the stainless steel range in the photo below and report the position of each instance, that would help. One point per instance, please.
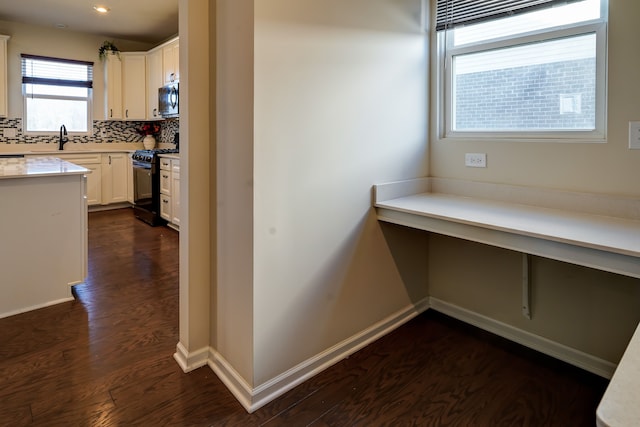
(146, 185)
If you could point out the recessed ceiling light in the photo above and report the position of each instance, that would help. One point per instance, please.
(61, 26)
(101, 9)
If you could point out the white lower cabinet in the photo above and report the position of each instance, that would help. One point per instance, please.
(114, 178)
(94, 187)
(170, 190)
(165, 188)
(175, 192)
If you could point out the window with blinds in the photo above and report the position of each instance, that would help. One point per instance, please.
(521, 69)
(454, 13)
(56, 92)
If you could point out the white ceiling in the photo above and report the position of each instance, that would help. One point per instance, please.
(150, 21)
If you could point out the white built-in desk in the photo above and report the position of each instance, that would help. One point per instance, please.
(596, 231)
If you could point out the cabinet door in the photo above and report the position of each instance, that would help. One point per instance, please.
(94, 184)
(134, 83)
(3, 76)
(171, 62)
(114, 178)
(113, 88)
(155, 80)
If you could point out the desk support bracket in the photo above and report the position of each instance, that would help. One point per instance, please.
(526, 285)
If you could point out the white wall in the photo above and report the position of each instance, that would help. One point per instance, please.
(233, 321)
(197, 222)
(340, 105)
(315, 104)
(37, 40)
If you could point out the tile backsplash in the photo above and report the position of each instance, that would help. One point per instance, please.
(104, 131)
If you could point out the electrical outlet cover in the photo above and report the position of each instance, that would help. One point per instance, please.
(475, 160)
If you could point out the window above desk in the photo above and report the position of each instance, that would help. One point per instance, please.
(514, 71)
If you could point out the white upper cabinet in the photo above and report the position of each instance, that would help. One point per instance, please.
(134, 94)
(132, 80)
(3, 76)
(113, 87)
(155, 80)
(171, 62)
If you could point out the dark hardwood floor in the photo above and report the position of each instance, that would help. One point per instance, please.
(105, 359)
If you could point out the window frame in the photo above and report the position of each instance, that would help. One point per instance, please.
(443, 82)
(88, 99)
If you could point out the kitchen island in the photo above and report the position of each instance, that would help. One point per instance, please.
(43, 249)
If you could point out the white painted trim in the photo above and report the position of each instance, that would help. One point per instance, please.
(190, 361)
(573, 201)
(237, 385)
(570, 355)
(35, 307)
(253, 399)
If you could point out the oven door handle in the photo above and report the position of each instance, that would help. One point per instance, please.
(141, 165)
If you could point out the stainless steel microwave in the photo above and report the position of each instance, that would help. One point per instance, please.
(169, 100)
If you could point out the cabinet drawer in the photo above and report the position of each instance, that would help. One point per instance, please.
(165, 207)
(165, 182)
(165, 164)
(79, 159)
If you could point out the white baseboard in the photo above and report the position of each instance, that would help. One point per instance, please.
(189, 361)
(570, 355)
(232, 380)
(34, 307)
(254, 398)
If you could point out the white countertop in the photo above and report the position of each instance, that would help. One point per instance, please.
(71, 148)
(75, 148)
(602, 234)
(619, 405)
(617, 235)
(20, 167)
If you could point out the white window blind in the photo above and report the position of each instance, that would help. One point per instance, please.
(56, 92)
(42, 70)
(452, 13)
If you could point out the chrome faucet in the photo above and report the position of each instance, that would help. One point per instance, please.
(63, 136)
